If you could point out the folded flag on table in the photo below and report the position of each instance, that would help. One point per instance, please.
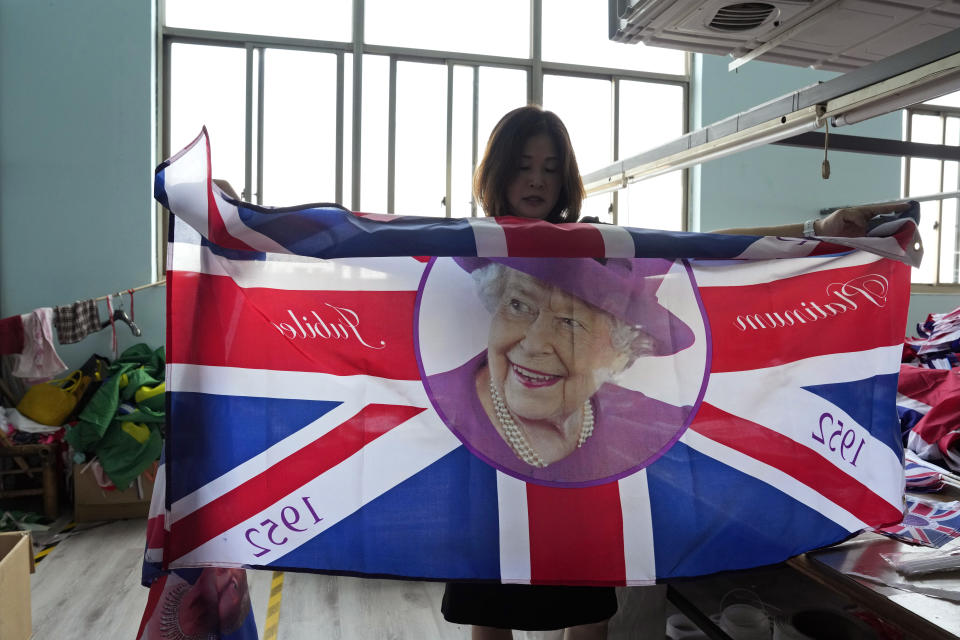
(509, 400)
(919, 477)
(928, 401)
(931, 524)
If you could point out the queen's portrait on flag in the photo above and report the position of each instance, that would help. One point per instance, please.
(542, 400)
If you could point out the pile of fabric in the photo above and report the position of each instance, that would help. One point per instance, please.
(121, 424)
(928, 404)
(928, 398)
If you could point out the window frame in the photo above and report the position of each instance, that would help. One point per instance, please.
(942, 112)
(534, 66)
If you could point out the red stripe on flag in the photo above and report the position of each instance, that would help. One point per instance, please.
(216, 229)
(285, 477)
(823, 248)
(796, 460)
(565, 527)
(213, 321)
(814, 314)
(153, 600)
(533, 238)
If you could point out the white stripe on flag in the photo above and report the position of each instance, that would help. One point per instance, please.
(514, 529)
(293, 385)
(157, 499)
(617, 241)
(489, 237)
(637, 529)
(773, 247)
(909, 403)
(723, 273)
(773, 477)
(775, 398)
(186, 195)
(335, 495)
(238, 229)
(282, 272)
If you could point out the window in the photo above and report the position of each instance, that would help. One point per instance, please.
(275, 86)
(936, 183)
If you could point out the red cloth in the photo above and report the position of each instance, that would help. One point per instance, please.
(937, 434)
(11, 335)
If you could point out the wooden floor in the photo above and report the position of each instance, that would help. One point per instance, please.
(88, 586)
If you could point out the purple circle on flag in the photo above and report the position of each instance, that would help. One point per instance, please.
(564, 372)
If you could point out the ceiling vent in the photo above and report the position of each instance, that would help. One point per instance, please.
(742, 16)
(838, 35)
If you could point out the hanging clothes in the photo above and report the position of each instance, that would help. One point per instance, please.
(76, 321)
(11, 335)
(39, 360)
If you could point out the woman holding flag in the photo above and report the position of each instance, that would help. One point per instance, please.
(529, 170)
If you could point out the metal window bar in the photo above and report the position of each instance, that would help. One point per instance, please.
(943, 137)
(475, 135)
(448, 185)
(260, 100)
(391, 136)
(535, 67)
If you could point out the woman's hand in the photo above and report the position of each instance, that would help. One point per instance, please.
(852, 222)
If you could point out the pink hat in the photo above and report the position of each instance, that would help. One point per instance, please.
(623, 287)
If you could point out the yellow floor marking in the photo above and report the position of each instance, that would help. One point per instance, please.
(273, 607)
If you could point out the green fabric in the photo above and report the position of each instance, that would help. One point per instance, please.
(124, 457)
(100, 426)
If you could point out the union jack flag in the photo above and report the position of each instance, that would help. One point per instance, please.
(930, 524)
(303, 434)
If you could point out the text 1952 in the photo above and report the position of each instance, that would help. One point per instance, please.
(290, 517)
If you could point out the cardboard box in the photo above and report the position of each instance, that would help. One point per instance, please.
(16, 565)
(90, 502)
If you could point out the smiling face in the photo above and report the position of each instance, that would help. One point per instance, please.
(535, 187)
(548, 350)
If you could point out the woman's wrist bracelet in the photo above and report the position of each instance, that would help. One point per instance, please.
(809, 228)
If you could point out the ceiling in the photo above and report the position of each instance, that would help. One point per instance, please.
(838, 35)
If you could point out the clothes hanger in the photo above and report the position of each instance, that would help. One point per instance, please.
(120, 315)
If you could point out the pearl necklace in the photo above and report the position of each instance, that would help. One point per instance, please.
(170, 617)
(518, 441)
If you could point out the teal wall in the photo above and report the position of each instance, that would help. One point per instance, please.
(774, 184)
(76, 159)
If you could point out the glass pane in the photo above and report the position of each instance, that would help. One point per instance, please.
(584, 105)
(497, 27)
(656, 203)
(929, 213)
(501, 90)
(373, 146)
(926, 129)
(421, 160)
(299, 127)
(577, 32)
(924, 177)
(949, 100)
(347, 187)
(207, 88)
(462, 161)
(948, 241)
(650, 115)
(598, 207)
(327, 20)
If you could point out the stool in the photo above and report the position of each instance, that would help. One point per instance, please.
(37, 461)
